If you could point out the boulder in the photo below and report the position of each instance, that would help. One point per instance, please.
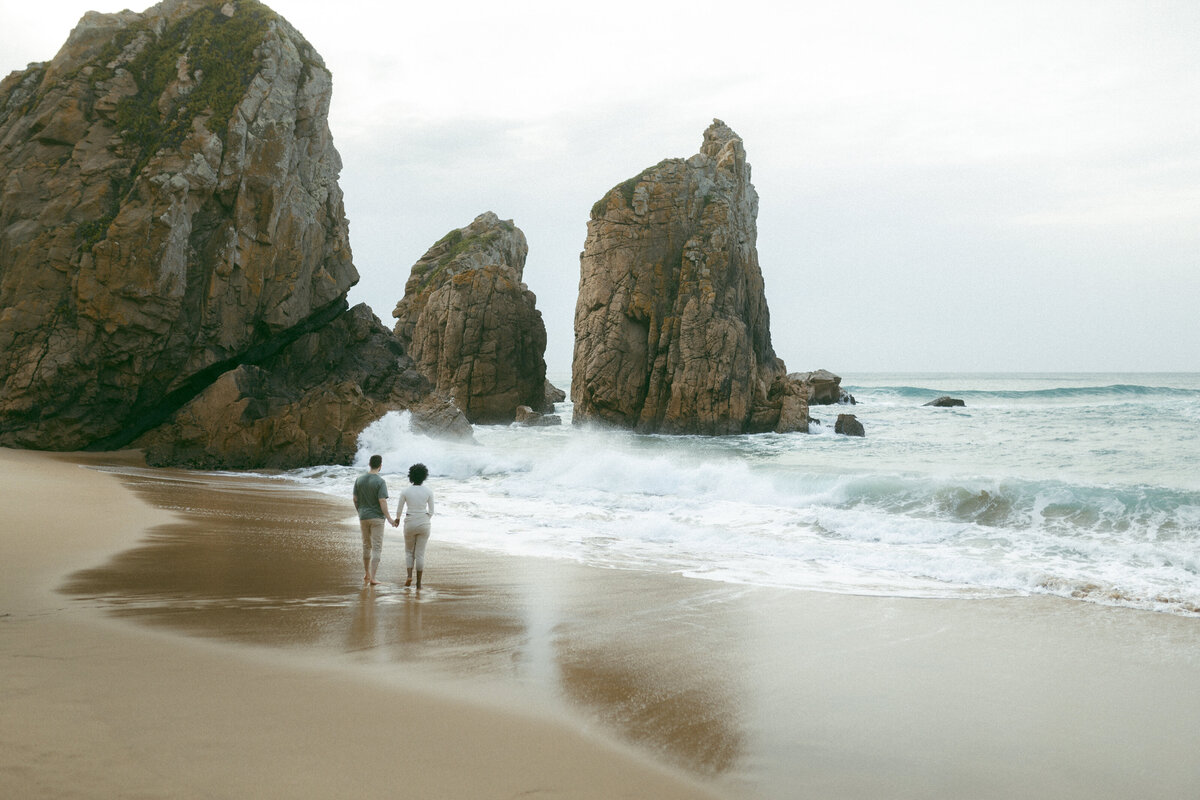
(173, 243)
(824, 388)
(945, 401)
(672, 330)
(527, 417)
(471, 325)
(553, 395)
(849, 425)
(439, 418)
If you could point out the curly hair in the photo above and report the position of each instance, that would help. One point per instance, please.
(417, 474)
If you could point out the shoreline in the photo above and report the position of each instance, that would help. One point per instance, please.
(95, 707)
(700, 688)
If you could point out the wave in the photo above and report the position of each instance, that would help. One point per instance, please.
(1119, 391)
(741, 509)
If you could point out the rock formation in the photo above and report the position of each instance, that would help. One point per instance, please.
(672, 331)
(529, 418)
(946, 401)
(848, 425)
(471, 325)
(553, 395)
(171, 225)
(824, 388)
(307, 404)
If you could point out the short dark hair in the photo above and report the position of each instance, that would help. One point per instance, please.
(376, 462)
(417, 474)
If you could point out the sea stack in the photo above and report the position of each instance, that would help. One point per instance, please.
(672, 331)
(170, 222)
(471, 325)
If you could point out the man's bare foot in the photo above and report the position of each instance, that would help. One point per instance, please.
(408, 582)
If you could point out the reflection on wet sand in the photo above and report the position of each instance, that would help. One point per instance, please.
(256, 561)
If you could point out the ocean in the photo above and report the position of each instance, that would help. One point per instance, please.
(1076, 485)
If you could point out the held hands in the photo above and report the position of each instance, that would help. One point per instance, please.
(396, 523)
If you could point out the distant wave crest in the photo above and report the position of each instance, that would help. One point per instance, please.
(1117, 391)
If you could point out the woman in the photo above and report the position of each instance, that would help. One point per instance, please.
(419, 500)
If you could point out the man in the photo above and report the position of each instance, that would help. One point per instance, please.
(370, 498)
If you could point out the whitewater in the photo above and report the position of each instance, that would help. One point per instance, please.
(1075, 485)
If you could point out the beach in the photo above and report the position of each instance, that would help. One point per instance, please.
(181, 634)
(96, 708)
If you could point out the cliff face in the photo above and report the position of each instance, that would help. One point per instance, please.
(471, 325)
(169, 210)
(672, 331)
(305, 405)
(174, 256)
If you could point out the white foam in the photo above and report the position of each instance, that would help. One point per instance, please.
(964, 507)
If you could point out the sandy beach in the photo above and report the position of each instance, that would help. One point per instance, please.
(93, 708)
(174, 634)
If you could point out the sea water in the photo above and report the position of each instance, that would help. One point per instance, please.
(1074, 485)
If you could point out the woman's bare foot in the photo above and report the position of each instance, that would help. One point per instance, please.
(373, 582)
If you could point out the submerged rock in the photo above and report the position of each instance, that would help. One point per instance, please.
(472, 326)
(672, 331)
(171, 228)
(945, 401)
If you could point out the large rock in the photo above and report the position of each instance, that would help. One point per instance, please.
(672, 331)
(169, 210)
(529, 418)
(171, 236)
(471, 325)
(824, 388)
(849, 425)
(305, 405)
(553, 395)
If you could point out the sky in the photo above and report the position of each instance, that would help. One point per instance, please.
(943, 186)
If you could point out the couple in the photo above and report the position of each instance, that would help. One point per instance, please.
(370, 498)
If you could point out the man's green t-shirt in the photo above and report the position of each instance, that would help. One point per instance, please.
(369, 488)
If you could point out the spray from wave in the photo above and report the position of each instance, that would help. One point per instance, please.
(819, 512)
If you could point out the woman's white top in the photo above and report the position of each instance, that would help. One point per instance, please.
(419, 500)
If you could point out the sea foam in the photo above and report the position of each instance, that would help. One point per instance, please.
(1029, 496)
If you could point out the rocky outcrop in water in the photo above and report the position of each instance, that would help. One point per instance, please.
(553, 395)
(529, 418)
(946, 401)
(171, 227)
(471, 325)
(672, 330)
(824, 388)
(848, 425)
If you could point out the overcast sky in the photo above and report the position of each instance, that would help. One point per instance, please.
(944, 186)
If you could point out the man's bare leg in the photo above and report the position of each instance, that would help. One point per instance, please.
(409, 581)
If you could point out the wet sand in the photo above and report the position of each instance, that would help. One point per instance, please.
(96, 707)
(735, 691)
